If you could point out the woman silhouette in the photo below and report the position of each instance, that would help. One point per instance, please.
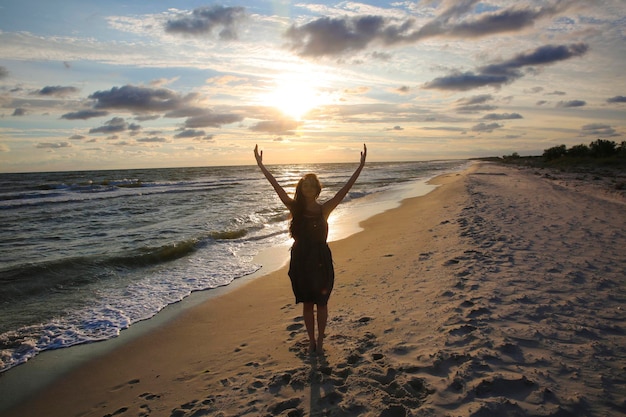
(311, 267)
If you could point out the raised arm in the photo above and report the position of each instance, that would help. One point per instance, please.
(330, 205)
(282, 194)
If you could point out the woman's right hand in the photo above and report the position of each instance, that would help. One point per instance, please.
(258, 156)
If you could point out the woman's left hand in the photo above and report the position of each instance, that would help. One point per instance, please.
(258, 156)
(363, 154)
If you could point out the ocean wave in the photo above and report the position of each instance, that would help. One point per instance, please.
(229, 234)
(32, 279)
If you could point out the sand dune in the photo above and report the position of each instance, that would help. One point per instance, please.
(501, 293)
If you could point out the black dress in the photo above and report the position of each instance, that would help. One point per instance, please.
(311, 267)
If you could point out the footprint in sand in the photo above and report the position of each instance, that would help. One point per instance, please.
(127, 384)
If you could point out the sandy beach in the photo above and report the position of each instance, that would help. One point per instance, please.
(500, 293)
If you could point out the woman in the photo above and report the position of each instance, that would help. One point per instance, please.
(311, 266)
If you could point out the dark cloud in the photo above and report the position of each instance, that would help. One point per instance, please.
(84, 114)
(466, 81)
(556, 93)
(146, 117)
(541, 102)
(210, 119)
(475, 108)
(475, 104)
(403, 90)
(76, 137)
(19, 112)
(190, 133)
(186, 112)
(4, 73)
(486, 127)
(285, 126)
(478, 99)
(571, 103)
(512, 19)
(207, 20)
(335, 36)
(50, 145)
(598, 129)
(396, 128)
(57, 91)
(507, 71)
(502, 116)
(616, 99)
(534, 90)
(140, 99)
(115, 125)
(543, 55)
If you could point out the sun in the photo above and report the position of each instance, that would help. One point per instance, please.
(293, 97)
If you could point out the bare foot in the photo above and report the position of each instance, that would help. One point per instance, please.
(320, 345)
(312, 348)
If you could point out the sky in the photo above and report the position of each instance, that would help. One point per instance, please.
(88, 84)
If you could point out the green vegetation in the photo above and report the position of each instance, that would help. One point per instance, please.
(598, 154)
(600, 159)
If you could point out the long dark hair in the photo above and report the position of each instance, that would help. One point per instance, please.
(299, 203)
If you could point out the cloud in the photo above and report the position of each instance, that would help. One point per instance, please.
(512, 19)
(335, 36)
(206, 20)
(381, 56)
(51, 145)
(327, 36)
(190, 133)
(534, 90)
(153, 139)
(57, 91)
(507, 71)
(466, 81)
(76, 137)
(616, 99)
(19, 112)
(396, 128)
(598, 129)
(486, 127)
(84, 114)
(186, 112)
(4, 73)
(210, 119)
(478, 99)
(140, 99)
(116, 124)
(285, 126)
(571, 103)
(502, 116)
(475, 104)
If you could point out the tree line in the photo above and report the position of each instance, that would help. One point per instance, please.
(600, 148)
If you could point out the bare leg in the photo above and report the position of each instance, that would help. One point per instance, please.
(322, 318)
(309, 322)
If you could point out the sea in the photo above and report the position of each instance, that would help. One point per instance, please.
(85, 255)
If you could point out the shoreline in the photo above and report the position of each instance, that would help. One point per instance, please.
(498, 293)
(24, 380)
